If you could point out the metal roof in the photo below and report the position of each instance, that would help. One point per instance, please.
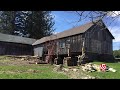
(16, 39)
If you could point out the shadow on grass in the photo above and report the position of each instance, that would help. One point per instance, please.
(106, 61)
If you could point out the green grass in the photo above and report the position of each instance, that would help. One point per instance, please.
(30, 71)
(13, 69)
(108, 75)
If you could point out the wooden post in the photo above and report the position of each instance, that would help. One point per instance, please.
(68, 52)
(80, 57)
(83, 48)
(67, 61)
(58, 49)
(68, 49)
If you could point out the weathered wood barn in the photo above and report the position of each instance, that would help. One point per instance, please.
(97, 38)
(15, 45)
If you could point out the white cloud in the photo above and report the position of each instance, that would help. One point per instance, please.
(114, 13)
(115, 32)
(117, 38)
(55, 32)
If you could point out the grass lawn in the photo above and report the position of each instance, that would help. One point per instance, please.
(29, 72)
(108, 75)
(9, 69)
(18, 69)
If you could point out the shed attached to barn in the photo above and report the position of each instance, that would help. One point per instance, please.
(15, 45)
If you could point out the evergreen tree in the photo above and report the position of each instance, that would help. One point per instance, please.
(7, 24)
(33, 24)
(20, 21)
(39, 24)
(116, 53)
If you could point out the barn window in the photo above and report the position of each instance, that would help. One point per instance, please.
(62, 45)
(68, 40)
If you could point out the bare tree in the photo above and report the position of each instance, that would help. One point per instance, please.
(96, 15)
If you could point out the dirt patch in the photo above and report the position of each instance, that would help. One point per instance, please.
(32, 71)
(73, 72)
(78, 74)
(9, 72)
(20, 60)
(13, 62)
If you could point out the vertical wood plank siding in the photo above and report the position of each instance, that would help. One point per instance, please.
(74, 41)
(7, 48)
(99, 41)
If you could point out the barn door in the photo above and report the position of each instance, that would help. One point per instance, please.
(38, 51)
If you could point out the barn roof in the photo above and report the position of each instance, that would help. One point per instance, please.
(66, 33)
(16, 39)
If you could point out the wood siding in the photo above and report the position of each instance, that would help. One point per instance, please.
(7, 48)
(98, 41)
(74, 41)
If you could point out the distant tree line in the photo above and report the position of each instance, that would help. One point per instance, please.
(116, 53)
(32, 24)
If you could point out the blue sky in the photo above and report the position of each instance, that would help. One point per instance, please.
(65, 20)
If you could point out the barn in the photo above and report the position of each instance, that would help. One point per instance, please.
(95, 35)
(15, 45)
